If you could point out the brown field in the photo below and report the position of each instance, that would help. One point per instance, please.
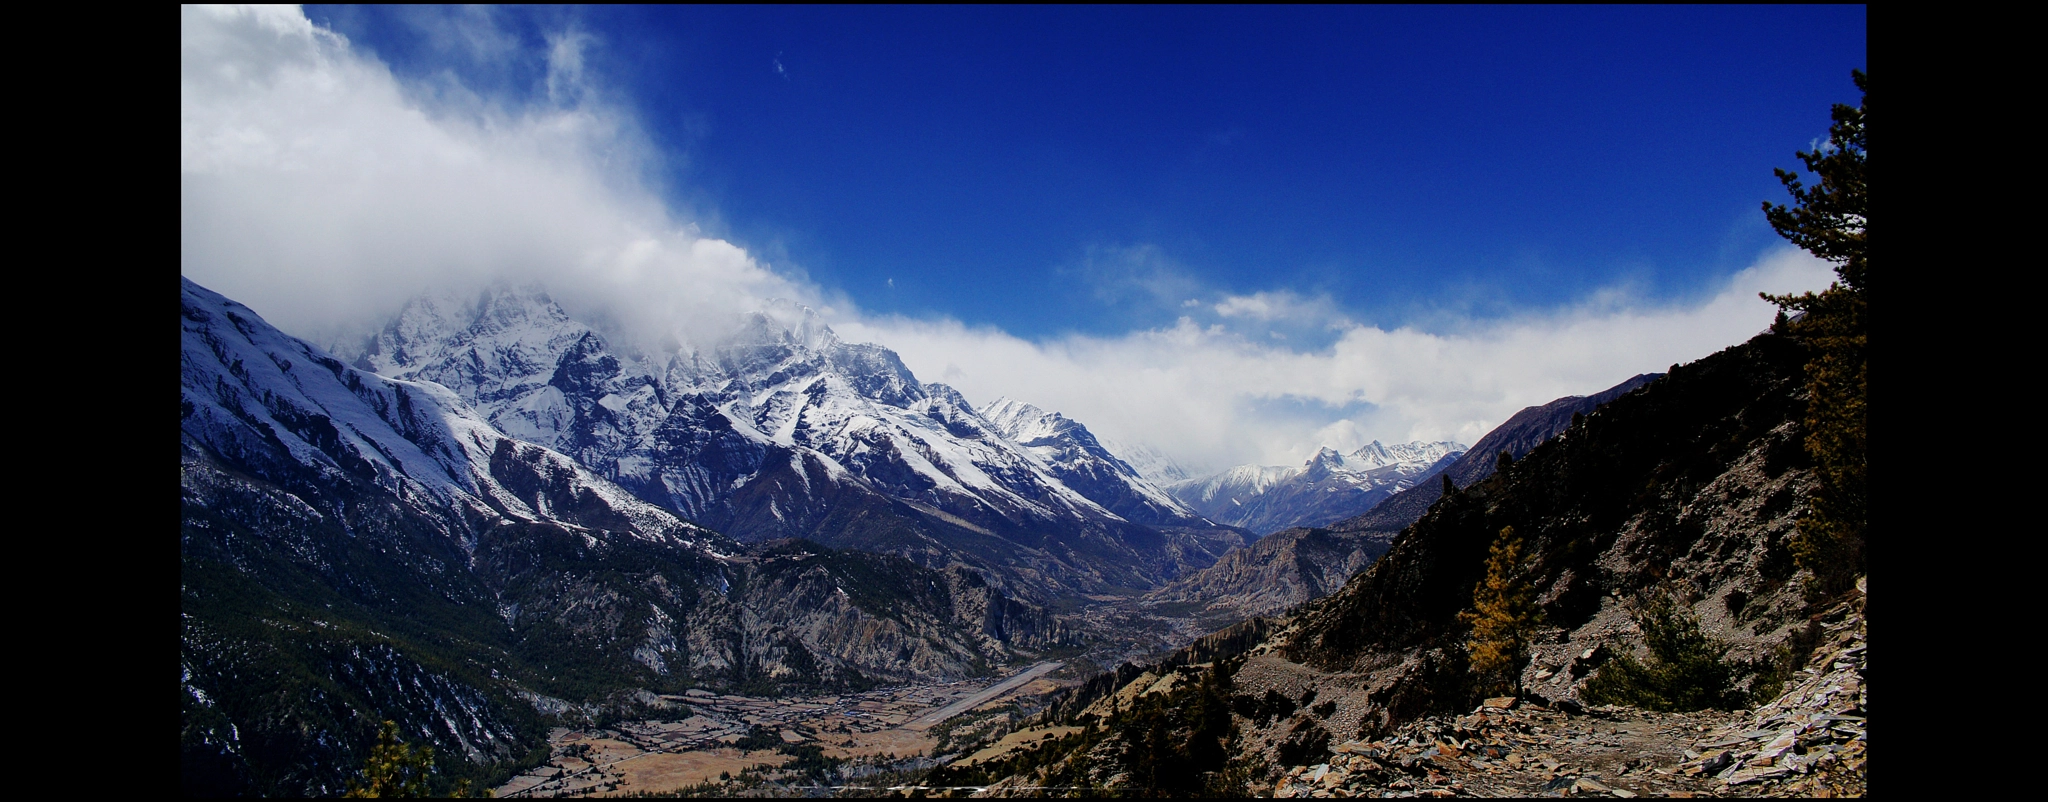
(658, 771)
(1013, 741)
(894, 743)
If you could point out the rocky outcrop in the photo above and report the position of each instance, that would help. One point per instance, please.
(1278, 572)
(1811, 741)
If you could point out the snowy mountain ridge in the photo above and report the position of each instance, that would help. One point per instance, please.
(250, 392)
(1075, 456)
(1149, 462)
(764, 433)
(1328, 487)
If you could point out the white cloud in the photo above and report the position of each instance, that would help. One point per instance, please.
(323, 191)
(1209, 395)
(1283, 306)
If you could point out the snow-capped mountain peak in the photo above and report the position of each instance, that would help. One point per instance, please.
(770, 430)
(264, 399)
(1327, 487)
(1026, 424)
(1419, 452)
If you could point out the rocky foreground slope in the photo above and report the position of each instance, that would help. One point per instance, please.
(1686, 490)
(1811, 741)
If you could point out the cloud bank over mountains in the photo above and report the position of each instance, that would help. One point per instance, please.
(319, 189)
(323, 191)
(1216, 394)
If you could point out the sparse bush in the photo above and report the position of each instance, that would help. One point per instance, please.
(759, 738)
(1263, 710)
(1686, 670)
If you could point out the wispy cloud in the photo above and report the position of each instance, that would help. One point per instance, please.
(1269, 306)
(1140, 276)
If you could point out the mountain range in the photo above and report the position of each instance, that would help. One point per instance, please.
(1329, 487)
(779, 429)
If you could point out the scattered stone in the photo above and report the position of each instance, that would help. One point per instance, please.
(1810, 742)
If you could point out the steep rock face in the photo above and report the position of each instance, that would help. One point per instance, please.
(1329, 487)
(1273, 574)
(781, 430)
(356, 548)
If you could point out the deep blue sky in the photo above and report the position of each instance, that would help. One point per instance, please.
(998, 163)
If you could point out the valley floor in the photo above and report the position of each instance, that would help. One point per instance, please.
(885, 729)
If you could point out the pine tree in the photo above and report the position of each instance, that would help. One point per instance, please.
(1831, 221)
(1685, 670)
(394, 768)
(1503, 615)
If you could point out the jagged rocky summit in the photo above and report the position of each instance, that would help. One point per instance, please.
(356, 548)
(1329, 487)
(779, 429)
